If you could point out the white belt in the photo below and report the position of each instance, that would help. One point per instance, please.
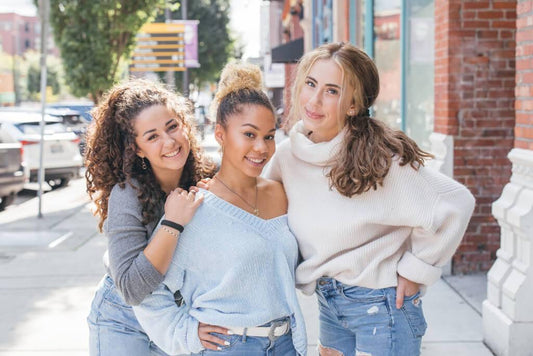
(275, 330)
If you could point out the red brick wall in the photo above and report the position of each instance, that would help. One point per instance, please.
(524, 75)
(474, 102)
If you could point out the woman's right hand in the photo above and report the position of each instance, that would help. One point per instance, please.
(208, 340)
(181, 205)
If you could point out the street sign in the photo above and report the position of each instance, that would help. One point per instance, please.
(166, 46)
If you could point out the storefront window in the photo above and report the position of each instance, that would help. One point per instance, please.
(419, 71)
(323, 22)
(387, 56)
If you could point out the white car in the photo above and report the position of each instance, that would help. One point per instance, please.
(61, 155)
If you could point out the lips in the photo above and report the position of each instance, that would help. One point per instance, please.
(256, 160)
(313, 115)
(173, 153)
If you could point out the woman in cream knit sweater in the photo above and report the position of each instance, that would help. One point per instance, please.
(373, 225)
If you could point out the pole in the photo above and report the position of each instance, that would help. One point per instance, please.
(169, 74)
(44, 36)
(185, 72)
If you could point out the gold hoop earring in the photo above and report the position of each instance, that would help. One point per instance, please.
(143, 164)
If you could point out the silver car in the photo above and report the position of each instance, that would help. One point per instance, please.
(61, 156)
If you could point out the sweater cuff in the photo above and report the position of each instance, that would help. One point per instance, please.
(417, 270)
(151, 276)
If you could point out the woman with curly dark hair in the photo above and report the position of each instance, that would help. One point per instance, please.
(142, 157)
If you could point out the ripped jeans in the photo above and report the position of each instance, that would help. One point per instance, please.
(357, 321)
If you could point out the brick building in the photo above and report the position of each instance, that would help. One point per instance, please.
(18, 34)
(458, 77)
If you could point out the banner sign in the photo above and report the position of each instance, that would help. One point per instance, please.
(166, 46)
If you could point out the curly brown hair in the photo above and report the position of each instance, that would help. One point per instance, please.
(369, 144)
(111, 152)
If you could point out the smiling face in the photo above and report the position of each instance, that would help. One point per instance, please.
(323, 109)
(162, 139)
(247, 139)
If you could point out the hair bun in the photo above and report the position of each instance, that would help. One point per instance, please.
(237, 76)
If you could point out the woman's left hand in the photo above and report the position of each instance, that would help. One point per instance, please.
(405, 288)
(203, 183)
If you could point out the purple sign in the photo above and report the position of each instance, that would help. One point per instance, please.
(190, 38)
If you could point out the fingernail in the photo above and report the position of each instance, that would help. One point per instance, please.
(219, 348)
(230, 332)
(226, 343)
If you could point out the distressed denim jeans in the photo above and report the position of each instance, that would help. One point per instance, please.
(113, 327)
(359, 321)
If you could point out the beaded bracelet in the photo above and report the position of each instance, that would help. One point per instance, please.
(173, 233)
(173, 225)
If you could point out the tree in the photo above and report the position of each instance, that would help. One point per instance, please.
(33, 74)
(96, 38)
(215, 45)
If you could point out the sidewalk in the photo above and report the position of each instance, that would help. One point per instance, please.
(47, 285)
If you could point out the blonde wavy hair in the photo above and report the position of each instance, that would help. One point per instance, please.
(369, 146)
(240, 84)
(111, 153)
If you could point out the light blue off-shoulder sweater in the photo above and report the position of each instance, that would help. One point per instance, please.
(233, 269)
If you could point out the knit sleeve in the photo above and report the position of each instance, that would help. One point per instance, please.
(134, 276)
(170, 326)
(434, 244)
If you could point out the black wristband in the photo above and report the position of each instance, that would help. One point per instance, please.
(172, 225)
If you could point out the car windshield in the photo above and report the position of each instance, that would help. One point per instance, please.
(32, 128)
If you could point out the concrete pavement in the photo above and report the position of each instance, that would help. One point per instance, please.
(49, 269)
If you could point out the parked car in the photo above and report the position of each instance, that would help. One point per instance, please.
(74, 121)
(83, 107)
(12, 176)
(61, 155)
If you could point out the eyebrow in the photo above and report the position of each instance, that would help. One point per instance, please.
(153, 130)
(327, 84)
(257, 128)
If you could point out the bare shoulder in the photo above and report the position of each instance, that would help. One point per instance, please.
(273, 194)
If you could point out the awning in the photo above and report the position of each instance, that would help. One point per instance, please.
(289, 52)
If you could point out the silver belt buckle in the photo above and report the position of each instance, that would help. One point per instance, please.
(273, 327)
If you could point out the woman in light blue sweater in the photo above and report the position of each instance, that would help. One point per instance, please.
(234, 263)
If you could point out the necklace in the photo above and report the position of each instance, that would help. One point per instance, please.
(254, 207)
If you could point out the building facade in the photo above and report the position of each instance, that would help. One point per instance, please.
(457, 76)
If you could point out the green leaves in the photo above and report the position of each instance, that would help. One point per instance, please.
(95, 37)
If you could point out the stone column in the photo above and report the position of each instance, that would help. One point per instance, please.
(508, 309)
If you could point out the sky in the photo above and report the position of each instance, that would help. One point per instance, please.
(245, 18)
(23, 7)
(245, 21)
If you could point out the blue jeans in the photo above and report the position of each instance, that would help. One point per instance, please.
(240, 345)
(363, 321)
(113, 327)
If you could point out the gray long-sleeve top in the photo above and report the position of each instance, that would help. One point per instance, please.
(134, 276)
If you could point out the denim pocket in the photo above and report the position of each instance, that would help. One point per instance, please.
(231, 339)
(412, 309)
(362, 294)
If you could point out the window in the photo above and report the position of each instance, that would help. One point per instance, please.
(387, 56)
(419, 71)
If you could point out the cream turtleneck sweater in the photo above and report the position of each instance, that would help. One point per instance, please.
(410, 226)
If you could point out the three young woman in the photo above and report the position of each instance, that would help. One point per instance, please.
(235, 260)
(142, 156)
(373, 224)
